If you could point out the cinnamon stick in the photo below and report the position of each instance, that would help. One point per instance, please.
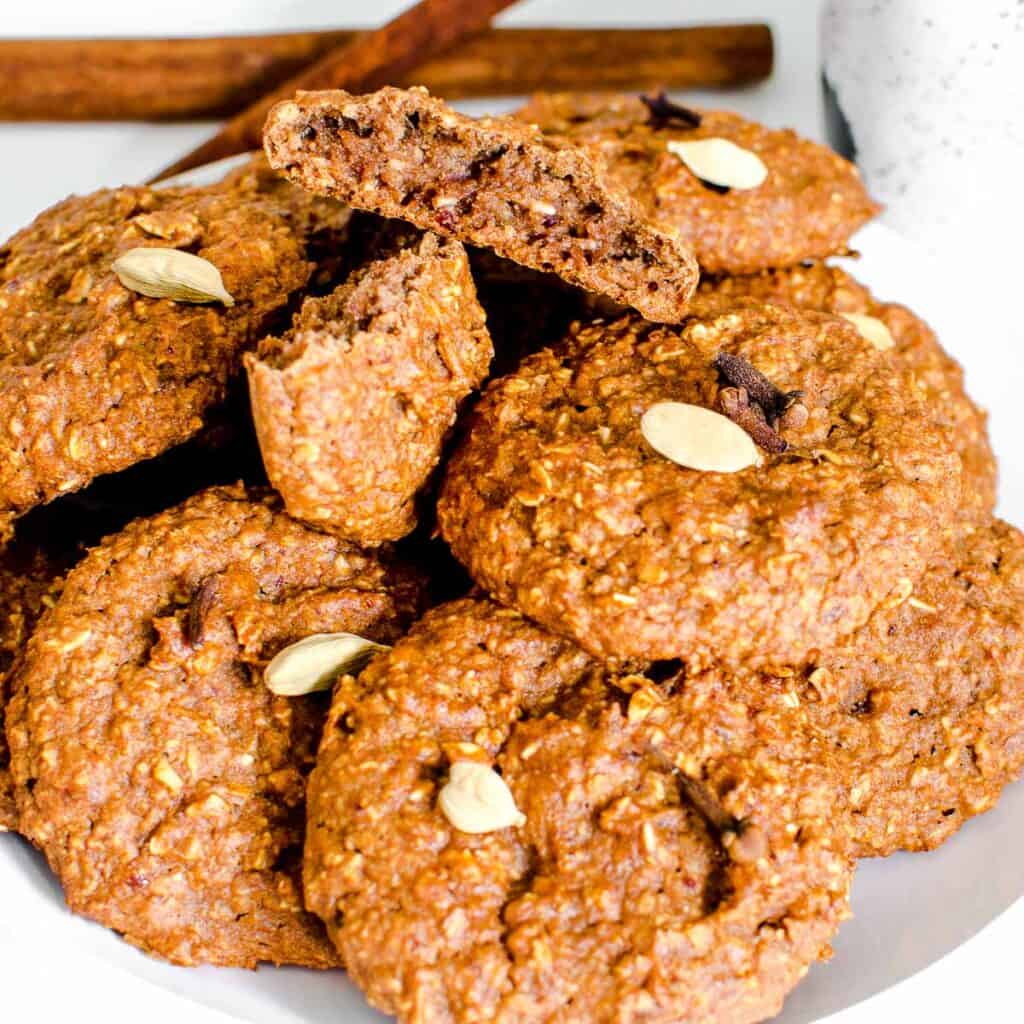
(515, 62)
(196, 79)
(371, 60)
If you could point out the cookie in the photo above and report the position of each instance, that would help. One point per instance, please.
(938, 377)
(224, 452)
(161, 778)
(807, 206)
(493, 183)
(919, 715)
(557, 503)
(353, 404)
(96, 377)
(320, 221)
(647, 873)
(326, 226)
(28, 580)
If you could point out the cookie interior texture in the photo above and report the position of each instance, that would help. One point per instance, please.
(353, 404)
(808, 206)
(655, 875)
(160, 777)
(494, 183)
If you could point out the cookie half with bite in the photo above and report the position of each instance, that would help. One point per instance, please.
(354, 403)
(494, 183)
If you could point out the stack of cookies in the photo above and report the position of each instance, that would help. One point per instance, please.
(588, 575)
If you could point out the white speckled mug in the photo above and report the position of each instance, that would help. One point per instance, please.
(933, 94)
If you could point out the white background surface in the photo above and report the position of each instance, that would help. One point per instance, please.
(44, 163)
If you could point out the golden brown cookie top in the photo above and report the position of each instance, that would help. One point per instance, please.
(95, 376)
(937, 376)
(917, 719)
(162, 779)
(558, 504)
(931, 695)
(625, 875)
(807, 207)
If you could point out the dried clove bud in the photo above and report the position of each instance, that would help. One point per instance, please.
(736, 371)
(662, 111)
(735, 403)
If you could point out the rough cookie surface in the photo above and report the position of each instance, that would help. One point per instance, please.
(28, 580)
(938, 377)
(160, 777)
(656, 877)
(353, 404)
(494, 183)
(809, 205)
(95, 377)
(920, 715)
(557, 505)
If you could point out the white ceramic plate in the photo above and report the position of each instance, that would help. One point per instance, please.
(910, 910)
